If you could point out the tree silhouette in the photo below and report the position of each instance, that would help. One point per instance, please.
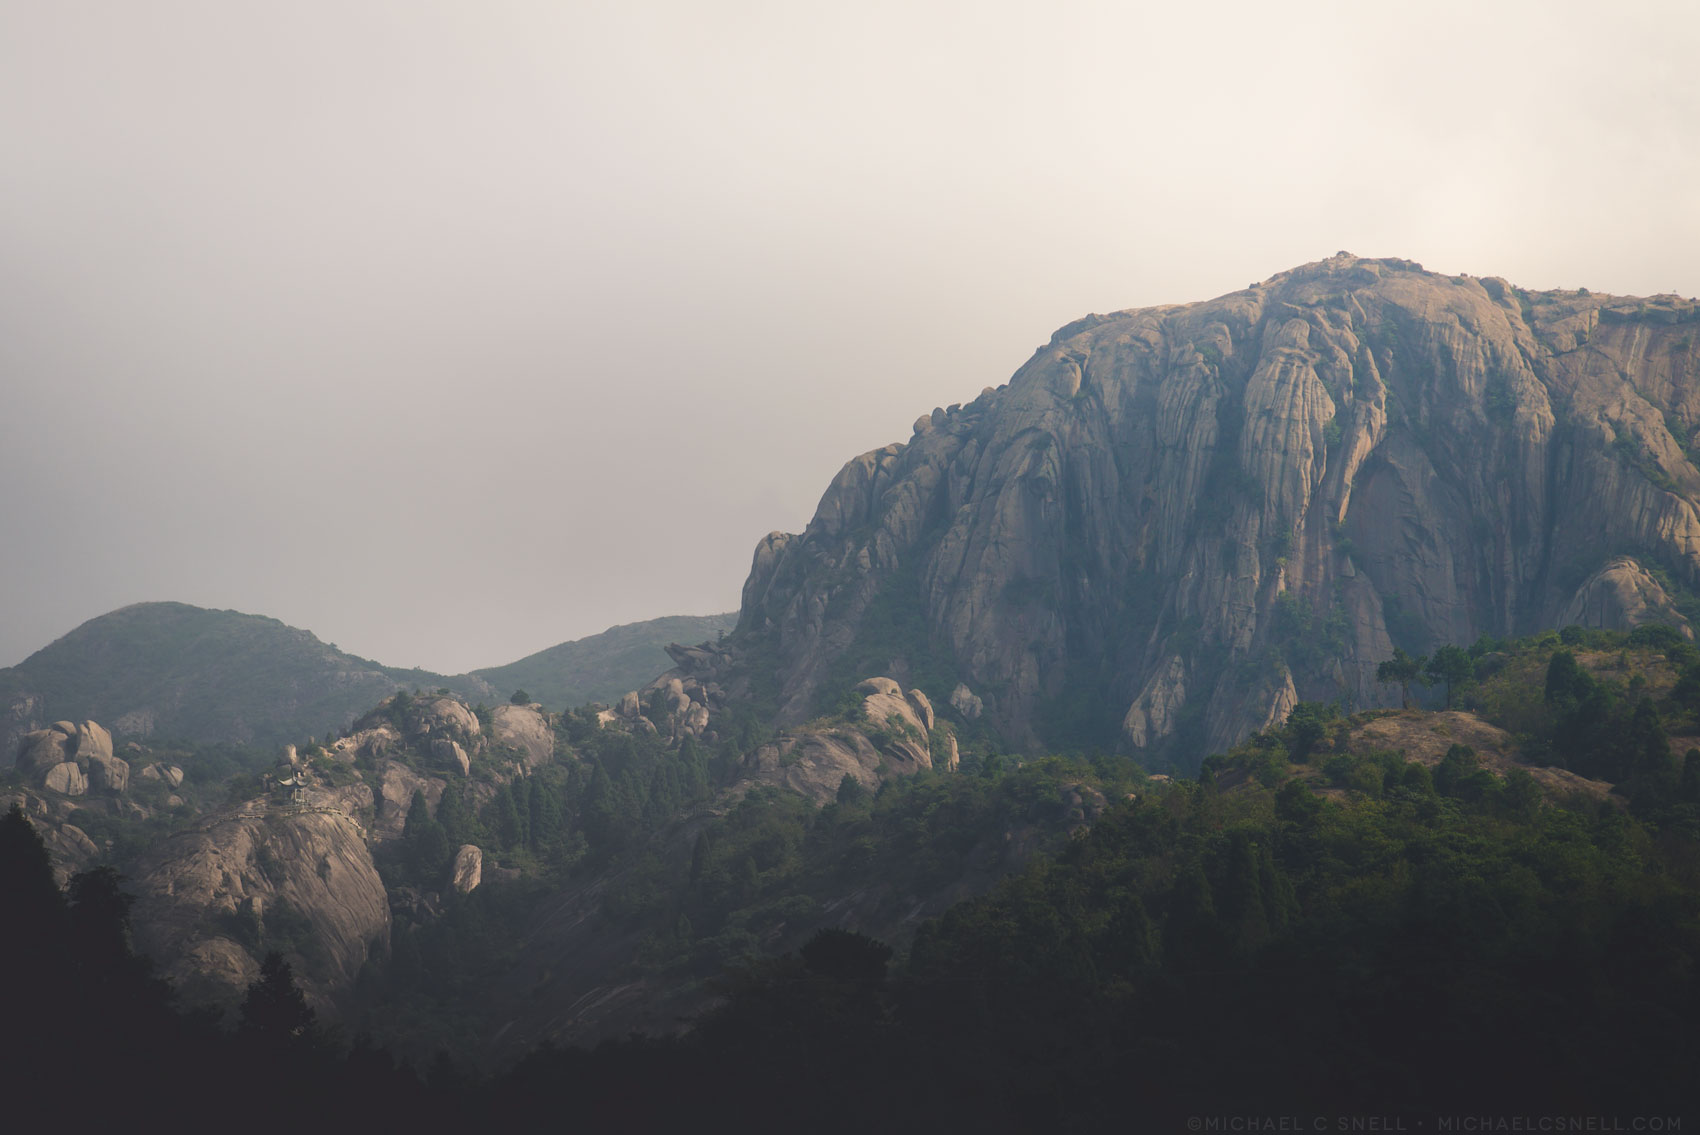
(845, 955)
(1451, 665)
(1306, 725)
(1402, 669)
(275, 1008)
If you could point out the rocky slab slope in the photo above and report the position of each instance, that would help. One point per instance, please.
(1174, 522)
(210, 902)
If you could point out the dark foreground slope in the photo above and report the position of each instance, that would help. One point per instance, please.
(1174, 523)
(1317, 928)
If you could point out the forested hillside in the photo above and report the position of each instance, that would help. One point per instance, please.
(1361, 913)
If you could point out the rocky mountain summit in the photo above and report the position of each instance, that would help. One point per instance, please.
(1173, 523)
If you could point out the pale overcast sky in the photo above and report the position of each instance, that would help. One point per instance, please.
(453, 330)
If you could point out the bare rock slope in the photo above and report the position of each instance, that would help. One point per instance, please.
(212, 901)
(1174, 522)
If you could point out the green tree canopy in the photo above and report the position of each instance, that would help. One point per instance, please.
(1452, 666)
(1402, 669)
(1306, 725)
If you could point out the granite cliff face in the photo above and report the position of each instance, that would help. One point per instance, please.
(1172, 523)
(212, 901)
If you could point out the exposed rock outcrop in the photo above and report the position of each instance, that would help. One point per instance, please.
(888, 737)
(1623, 594)
(449, 754)
(170, 774)
(21, 714)
(88, 745)
(69, 847)
(394, 796)
(211, 901)
(44, 749)
(1188, 516)
(965, 703)
(66, 778)
(468, 870)
(436, 716)
(524, 729)
(109, 774)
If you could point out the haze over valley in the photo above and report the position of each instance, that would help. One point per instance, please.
(888, 568)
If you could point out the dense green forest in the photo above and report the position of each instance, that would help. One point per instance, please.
(693, 879)
(1313, 923)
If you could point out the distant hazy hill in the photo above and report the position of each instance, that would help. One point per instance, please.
(604, 666)
(177, 672)
(173, 671)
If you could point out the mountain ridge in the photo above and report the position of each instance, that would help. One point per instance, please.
(594, 668)
(180, 672)
(1197, 515)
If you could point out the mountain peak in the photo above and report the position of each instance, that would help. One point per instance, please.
(1176, 521)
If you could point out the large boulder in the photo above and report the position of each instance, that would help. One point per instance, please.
(107, 773)
(42, 750)
(888, 738)
(93, 743)
(814, 762)
(439, 716)
(66, 778)
(1620, 596)
(468, 869)
(449, 754)
(396, 785)
(524, 729)
(894, 722)
(170, 774)
(964, 702)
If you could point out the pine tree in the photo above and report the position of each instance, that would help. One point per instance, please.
(1130, 943)
(700, 852)
(425, 844)
(1243, 915)
(509, 831)
(1192, 935)
(275, 1009)
(1402, 669)
(1451, 665)
(452, 815)
(547, 826)
(26, 876)
(33, 923)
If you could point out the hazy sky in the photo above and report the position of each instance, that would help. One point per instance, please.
(453, 330)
